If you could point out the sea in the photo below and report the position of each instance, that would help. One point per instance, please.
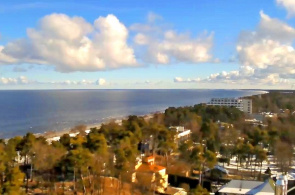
(40, 111)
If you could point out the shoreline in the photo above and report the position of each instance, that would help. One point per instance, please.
(54, 134)
(49, 134)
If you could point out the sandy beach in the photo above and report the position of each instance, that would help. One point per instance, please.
(53, 134)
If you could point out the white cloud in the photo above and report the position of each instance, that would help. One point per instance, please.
(101, 81)
(176, 47)
(65, 82)
(14, 81)
(274, 29)
(246, 75)
(266, 55)
(289, 5)
(181, 80)
(160, 44)
(269, 48)
(72, 44)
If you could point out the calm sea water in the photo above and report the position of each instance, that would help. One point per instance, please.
(39, 111)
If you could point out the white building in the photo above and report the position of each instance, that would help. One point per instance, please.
(268, 187)
(244, 105)
(182, 134)
(243, 187)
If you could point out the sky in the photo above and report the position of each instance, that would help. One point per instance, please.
(137, 44)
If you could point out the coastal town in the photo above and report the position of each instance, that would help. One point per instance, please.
(157, 97)
(227, 146)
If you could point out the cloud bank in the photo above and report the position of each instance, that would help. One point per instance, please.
(22, 80)
(14, 81)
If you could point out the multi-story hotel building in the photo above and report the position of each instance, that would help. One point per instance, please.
(244, 105)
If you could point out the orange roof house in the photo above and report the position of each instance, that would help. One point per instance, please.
(151, 176)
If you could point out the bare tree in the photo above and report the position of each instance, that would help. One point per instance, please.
(283, 154)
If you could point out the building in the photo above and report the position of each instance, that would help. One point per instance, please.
(151, 176)
(248, 187)
(182, 134)
(242, 104)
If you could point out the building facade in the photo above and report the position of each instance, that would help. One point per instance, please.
(151, 176)
(181, 135)
(242, 104)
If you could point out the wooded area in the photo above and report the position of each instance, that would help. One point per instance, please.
(112, 149)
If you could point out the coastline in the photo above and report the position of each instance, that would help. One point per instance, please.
(66, 130)
(51, 135)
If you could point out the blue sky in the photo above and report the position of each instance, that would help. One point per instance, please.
(147, 44)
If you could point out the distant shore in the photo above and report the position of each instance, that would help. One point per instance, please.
(58, 127)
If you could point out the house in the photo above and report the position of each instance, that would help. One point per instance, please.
(182, 134)
(151, 176)
(235, 187)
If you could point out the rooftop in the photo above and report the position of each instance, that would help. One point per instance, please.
(249, 187)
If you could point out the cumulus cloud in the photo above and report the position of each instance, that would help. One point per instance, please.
(176, 47)
(14, 81)
(269, 47)
(245, 75)
(163, 45)
(274, 29)
(266, 55)
(289, 5)
(73, 44)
